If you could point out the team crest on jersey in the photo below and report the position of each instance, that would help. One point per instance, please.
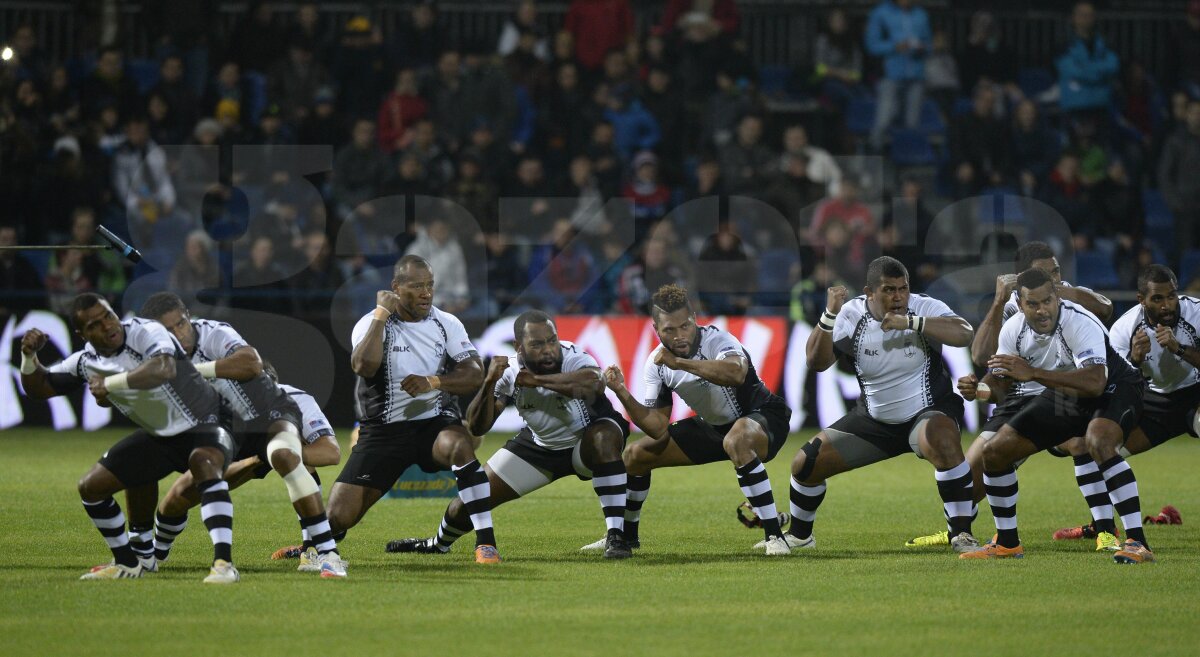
(314, 424)
(909, 352)
(275, 415)
(211, 419)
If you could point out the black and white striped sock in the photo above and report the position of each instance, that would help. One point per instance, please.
(609, 481)
(108, 518)
(476, 495)
(804, 503)
(756, 486)
(217, 511)
(141, 540)
(958, 492)
(1095, 493)
(166, 530)
(1123, 493)
(448, 532)
(1001, 489)
(317, 533)
(635, 496)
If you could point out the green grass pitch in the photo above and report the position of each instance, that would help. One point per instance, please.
(695, 588)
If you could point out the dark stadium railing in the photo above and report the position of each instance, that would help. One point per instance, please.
(775, 32)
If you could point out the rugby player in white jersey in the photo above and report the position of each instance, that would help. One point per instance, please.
(737, 418)
(410, 357)
(571, 429)
(1161, 337)
(265, 420)
(893, 339)
(1090, 391)
(137, 367)
(1031, 255)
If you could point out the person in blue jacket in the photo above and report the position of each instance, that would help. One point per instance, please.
(898, 32)
(1087, 68)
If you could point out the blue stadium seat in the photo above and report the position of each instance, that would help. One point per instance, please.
(1095, 270)
(1034, 81)
(1163, 236)
(774, 280)
(40, 261)
(144, 73)
(1157, 212)
(1001, 205)
(963, 105)
(911, 148)
(1189, 266)
(931, 122)
(860, 115)
(257, 83)
(773, 79)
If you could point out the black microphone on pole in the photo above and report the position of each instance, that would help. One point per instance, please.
(119, 244)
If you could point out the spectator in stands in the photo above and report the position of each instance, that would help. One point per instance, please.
(561, 115)
(794, 193)
(1183, 71)
(651, 198)
(1066, 192)
(650, 271)
(434, 156)
(979, 145)
(898, 32)
(562, 51)
(582, 188)
(30, 61)
(197, 269)
(634, 129)
(1141, 108)
(142, 182)
(526, 197)
(325, 125)
(74, 271)
(662, 100)
(808, 295)
(838, 60)
(359, 170)
(523, 20)
(66, 182)
(488, 93)
(258, 281)
(856, 235)
(477, 195)
(561, 271)
(177, 92)
(61, 99)
(725, 108)
(506, 274)
(602, 151)
(108, 86)
(359, 68)
(184, 29)
(526, 69)
(311, 27)
(597, 27)
(1035, 148)
(907, 226)
(1117, 212)
(313, 288)
(257, 41)
(165, 126)
(446, 98)
(986, 60)
(821, 166)
(1093, 157)
(295, 79)
(436, 243)
(421, 39)
(617, 70)
(941, 73)
(400, 110)
(408, 178)
(21, 288)
(1178, 181)
(714, 17)
(229, 87)
(747, 163)
(494, 158)
(702, 49)
(729, 281)
(1087, 70)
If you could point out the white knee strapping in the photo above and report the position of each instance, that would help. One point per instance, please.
(299, 482)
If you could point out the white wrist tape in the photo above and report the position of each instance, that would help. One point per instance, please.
(208, 370)
(28, 364)
(827, 321)
(117, 382)
(916, 323)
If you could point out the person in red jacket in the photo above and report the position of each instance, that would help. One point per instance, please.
(402, 108)
(598, 27)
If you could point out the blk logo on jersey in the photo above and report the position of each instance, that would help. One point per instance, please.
(870, 352)
(402, 349)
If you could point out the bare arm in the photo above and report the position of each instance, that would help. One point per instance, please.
(152, 373)
(484, 407)
(368, 354)
(583, 383)
(725, 372)
(1097, 304)
(38, 383)
(968, 387)
(242, 365)
(464, 378)
(987, 336)
(818, 351)
(952, 331)
(321, 452)
(652, 421)
(1085, 382)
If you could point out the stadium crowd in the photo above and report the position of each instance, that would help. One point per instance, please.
(510, 149)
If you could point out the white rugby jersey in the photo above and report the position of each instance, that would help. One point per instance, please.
(1164, 372)
(425, 348)
(556, 421)
(1013, 305)
(214, 341)
(900, 372)
(716, 405)
(315, 422)
(1077, 341)
(169, 409)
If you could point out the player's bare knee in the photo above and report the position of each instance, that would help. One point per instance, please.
(206, 463)
(1102, 445)
(173, 504)
(607, 447)
(995, 455)
(637, 458)
(1075, 447)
